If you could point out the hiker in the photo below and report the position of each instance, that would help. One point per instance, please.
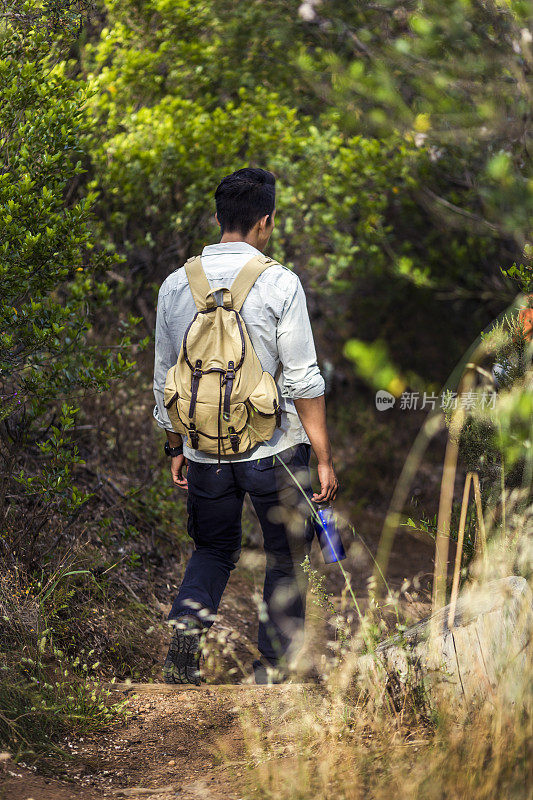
(241, 397)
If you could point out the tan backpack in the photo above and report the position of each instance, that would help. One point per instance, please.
(217, 394)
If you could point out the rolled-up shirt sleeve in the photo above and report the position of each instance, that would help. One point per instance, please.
(165, 357)
(301, 376)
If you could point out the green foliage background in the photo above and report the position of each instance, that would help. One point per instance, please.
(400, 135)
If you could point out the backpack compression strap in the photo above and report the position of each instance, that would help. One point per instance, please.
(247, 277)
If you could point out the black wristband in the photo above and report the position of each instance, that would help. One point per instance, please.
(172, 452)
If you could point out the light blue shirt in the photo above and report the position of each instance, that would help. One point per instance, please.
(276, 318)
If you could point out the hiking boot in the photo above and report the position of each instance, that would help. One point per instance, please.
(182, 664)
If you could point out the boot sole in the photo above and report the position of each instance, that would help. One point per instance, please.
(182, 662)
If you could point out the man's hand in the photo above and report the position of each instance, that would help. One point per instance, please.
(177, 465)
(328, 483)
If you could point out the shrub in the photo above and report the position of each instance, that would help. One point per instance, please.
(52, 275)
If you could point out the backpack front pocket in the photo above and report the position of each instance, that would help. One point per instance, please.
(206, 420)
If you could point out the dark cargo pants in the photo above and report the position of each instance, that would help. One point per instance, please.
(216, 495)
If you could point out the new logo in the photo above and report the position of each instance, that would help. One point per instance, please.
(384, 400)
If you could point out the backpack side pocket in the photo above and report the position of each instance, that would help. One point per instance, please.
(171, 398)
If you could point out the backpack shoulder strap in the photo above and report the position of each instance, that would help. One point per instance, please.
(247, 277)
(198, 283)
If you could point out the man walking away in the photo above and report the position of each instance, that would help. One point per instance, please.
(217, 478)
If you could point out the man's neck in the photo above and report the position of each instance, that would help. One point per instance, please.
(235, 236)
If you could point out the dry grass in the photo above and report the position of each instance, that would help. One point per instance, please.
(348, 740)
(334, 748)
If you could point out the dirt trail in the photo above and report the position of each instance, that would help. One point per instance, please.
(190, 744)
(169, 748)
(177, 744)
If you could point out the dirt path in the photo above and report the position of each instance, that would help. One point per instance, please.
(190, 744)
(177, 744)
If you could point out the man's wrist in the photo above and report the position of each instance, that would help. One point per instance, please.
(324, 457)
(173, 452)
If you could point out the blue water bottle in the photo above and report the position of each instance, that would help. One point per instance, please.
(328, 534)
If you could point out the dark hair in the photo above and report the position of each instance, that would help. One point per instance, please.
(244, 197)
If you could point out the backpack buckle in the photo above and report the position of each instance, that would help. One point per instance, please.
(197, 371)
(193, 436)
(230, 373)
(234, 439)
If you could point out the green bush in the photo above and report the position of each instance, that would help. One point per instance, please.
(52, 275)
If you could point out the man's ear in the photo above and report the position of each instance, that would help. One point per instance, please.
(216, 219)
(265, 221)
